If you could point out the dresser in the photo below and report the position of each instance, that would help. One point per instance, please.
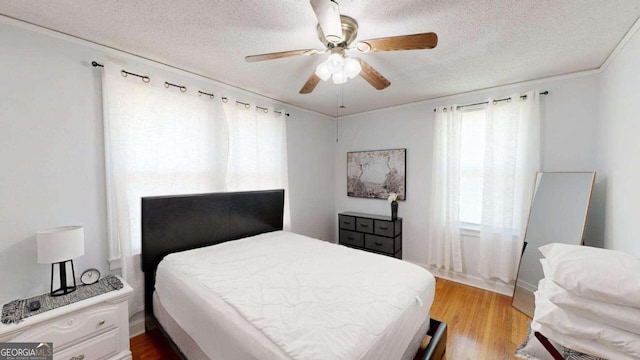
(90, 329)
(374, 233)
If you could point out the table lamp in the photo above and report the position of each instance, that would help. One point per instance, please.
(59, 246)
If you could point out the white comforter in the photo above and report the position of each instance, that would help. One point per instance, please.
(313, 299)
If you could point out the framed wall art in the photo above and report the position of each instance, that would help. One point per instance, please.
(375, 174)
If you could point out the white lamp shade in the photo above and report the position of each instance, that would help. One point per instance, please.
(335, 62)
(339, 77)
(60, 244)
(352, 67)
(323, 71)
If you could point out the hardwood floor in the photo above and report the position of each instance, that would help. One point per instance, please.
(481, 325)
(151, 346)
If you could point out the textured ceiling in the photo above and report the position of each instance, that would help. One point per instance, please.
(482, 43)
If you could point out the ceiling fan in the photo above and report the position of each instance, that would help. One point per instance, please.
(337, 33)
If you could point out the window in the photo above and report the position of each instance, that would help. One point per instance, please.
(485, 159)
(471, 165)
(160, 142)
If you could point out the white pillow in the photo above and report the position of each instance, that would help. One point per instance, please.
(567, 323)
(545, 267)
(622, 317)
(599, 274)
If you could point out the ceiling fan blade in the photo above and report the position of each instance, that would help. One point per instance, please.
(403, 42)
(328, 14)
(310, 84)
(372, 76)
(283, 54)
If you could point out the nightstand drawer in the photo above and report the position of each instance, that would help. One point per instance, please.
(351, 238)
(99, 347)
(379, 243)
(364, 225)
(384, 228)
(76, 327)
(347, 222)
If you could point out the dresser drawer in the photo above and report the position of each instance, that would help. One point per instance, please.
(73, 328)
(383, 228)
(364, 225)
(373, 233)
(99, 347)
(379, 243)
(347, 222)
(351, 238)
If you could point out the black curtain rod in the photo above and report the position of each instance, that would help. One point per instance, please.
(205, 93)
(523, 97)
(181, 87)
(144, 78)
(184, 88)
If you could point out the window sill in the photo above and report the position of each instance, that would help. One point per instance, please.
(468, 229)
(473, 230)
(115, 264)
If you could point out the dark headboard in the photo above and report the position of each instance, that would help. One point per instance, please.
(182, 222)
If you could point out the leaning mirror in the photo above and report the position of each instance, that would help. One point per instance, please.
(558, 215)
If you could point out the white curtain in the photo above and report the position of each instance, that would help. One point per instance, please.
(160, 141)
(444, 249)
(257, 150)
(512, 158)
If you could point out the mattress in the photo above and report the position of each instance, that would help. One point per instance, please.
(281, 295)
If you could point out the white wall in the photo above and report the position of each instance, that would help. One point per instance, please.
(310, 151)
(569, 138)
(52, 157)
(619, 148)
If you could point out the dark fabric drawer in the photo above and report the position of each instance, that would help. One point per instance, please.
(347, 222)
(364, 225)
(379, 243)
(384, 228)
(351, 238)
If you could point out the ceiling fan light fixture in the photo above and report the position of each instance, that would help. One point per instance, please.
(352, 67)
(339, 77)
(335, 63)
(337, 33)
(323, 72)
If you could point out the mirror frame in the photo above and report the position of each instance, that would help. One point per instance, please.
(528, 309)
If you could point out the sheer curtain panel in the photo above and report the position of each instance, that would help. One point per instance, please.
(512, 158)
(158, 141)
(444, 220)
(257, 150)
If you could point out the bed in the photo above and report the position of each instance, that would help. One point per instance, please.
(224, 281)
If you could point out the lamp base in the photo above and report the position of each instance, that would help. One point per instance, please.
(64, 289)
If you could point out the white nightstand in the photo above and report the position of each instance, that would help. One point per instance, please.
(95, 328)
